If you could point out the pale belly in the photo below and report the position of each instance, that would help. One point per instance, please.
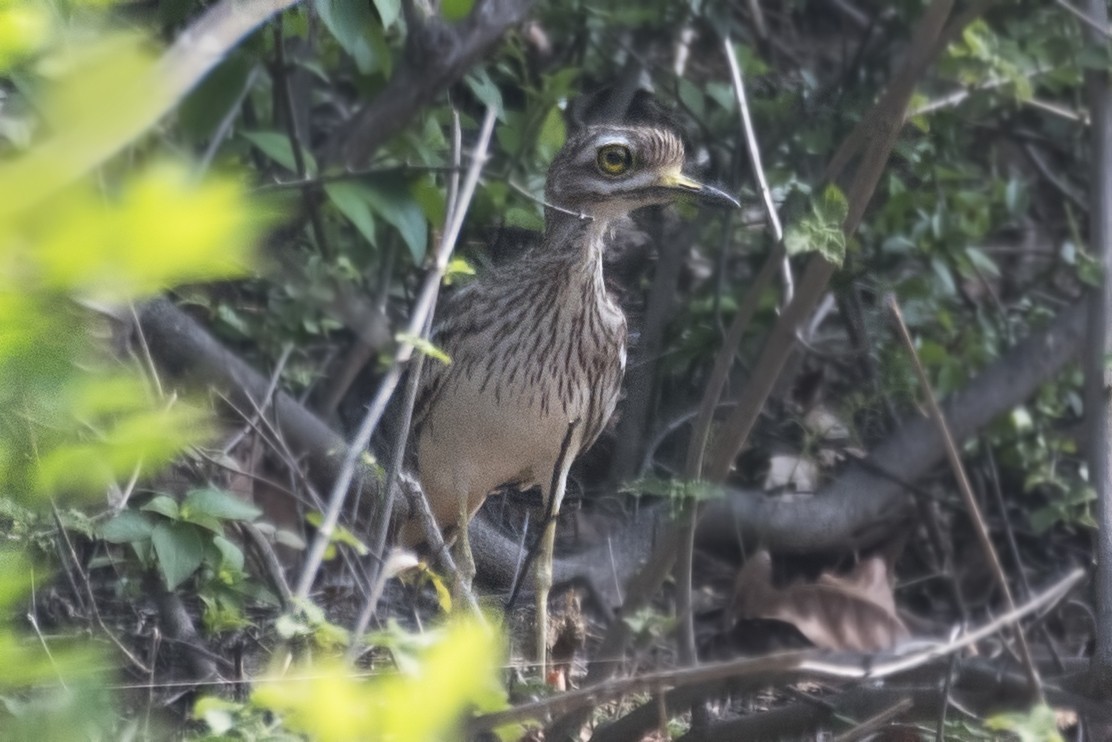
(474, 441)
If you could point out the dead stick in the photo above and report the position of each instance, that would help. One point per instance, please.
(875, 723)
(966, 492)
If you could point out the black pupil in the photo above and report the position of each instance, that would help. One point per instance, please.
(615, 157)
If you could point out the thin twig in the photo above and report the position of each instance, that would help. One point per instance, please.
(225, 125)
(724, 360)
(750, 137)
(46, 647)
(1013, 550)
(453, 176)
(525, 192)
(874, 723)
(966, 490)
(956, 97)
(1057, 109)
(751, 140)
(317, 181)
(1058, 182)
(270, 563)
(148, 359)
(260, 410)
(405, 351)
(89, 591)
(944, 696)
(285, 96)
(266, 430)
(397, 561)
(1085, 18)
(384, 512)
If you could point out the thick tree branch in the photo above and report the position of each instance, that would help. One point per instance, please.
(1098, 374)
(862, 503)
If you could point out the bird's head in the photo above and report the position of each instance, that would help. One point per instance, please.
(607, 171)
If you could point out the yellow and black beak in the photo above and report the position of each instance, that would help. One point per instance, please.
(680, 183)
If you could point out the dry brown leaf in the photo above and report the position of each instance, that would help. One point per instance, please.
(853, 612)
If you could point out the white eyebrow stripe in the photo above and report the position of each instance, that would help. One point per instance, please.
(612, 138)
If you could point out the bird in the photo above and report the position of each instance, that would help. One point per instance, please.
(537, 346)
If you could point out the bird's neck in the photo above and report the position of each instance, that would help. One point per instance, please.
(576, 242)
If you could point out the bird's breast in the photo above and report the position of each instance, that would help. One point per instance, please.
(516, 384)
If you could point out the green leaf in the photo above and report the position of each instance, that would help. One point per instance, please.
(523, 217)
(485, 90)
(231, 556)
(207, 522)
(821, 231)
(650, 622)
(290, 539)
(350, 198)
(179, 549)
(220, 504)
(462, 665)
(127, 526)
(423, 346)
(351, 22)
(340, 534)
(430, 197)
(223, 610)
(456, 268)
(277, 147)
(1038, 724)
(388, 11)
(391, 201)
(455, 10)
(163, 505)
(443, 594)
(217, 713)
(833, 207)
(552, 135)
(692, 97)
(206, 106)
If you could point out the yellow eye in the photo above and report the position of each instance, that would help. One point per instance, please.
(614, 159)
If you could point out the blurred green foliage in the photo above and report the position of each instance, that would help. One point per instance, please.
(456, 670)
(74, 419)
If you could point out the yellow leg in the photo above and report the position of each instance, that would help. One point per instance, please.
(542, 583)
(465, 562)
(542, 572)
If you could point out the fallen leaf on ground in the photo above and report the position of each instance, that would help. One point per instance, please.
(851, 612)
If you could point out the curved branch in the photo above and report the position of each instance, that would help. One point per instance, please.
(868, 495)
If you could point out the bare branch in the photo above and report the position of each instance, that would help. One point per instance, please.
(421, 312)
(966, 490)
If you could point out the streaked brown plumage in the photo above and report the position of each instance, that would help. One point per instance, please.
(538, 346)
